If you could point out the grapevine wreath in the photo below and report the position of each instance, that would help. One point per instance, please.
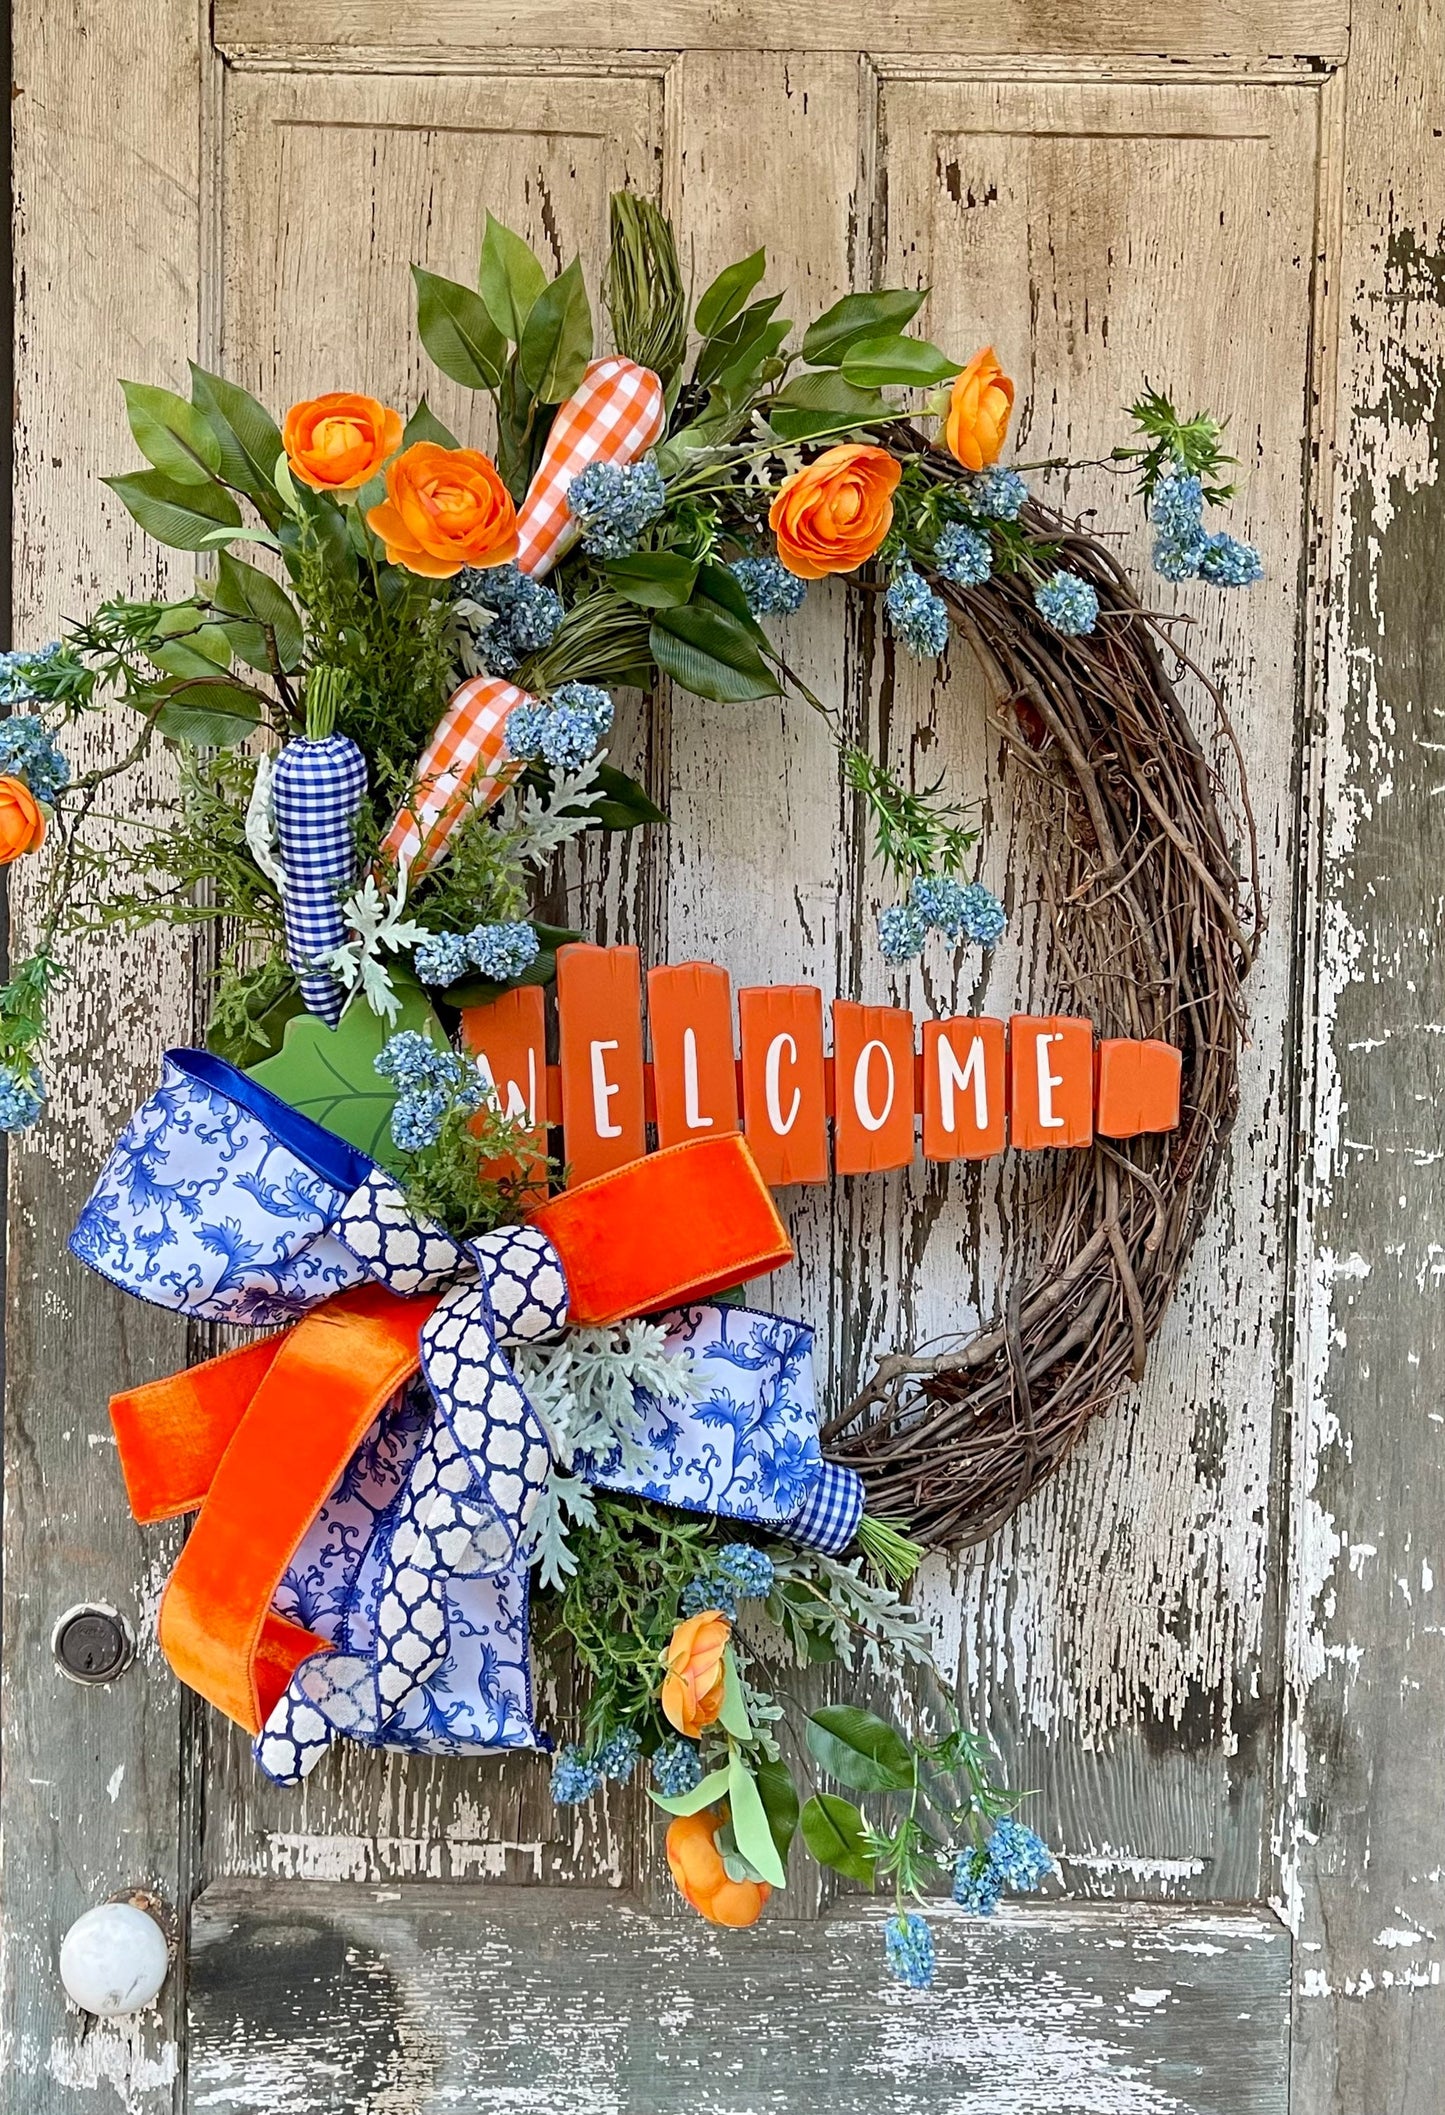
(495, 1400)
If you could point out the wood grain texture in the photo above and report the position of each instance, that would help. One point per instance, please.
(106, 136)
(339, 2001)
(1361, 1870)
(1193, 28)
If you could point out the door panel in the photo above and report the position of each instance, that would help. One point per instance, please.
(1102, 236)
(1113, 194)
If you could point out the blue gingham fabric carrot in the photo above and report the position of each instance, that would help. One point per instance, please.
(318, 788)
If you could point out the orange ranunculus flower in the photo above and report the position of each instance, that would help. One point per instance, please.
(335, 443)
(445, 508)
(980, 405)
(833, 513)
(692, 1691)
(22, 825)
(695, 1863)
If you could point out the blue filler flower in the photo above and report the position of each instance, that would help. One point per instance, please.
(412, 1060)
(1068, 603)
(502, 952)
(617, 1756)
(996, 495)
(908, 1943)
(1177, 507)
(22, 1097)
(417, 1118)
(676, 1767)
(960, 910)
(708, 1592)
(27, 751)
(19, 673)
(441, 958)
(746, 1569)
(575, 1776)
(976, 1883)
(963, 554)
(615, 502)
(916, 614)
(1177, 557)
(772, 591)
(1020, 1859)
(1226, 562)
(564, 731)
(901, 933)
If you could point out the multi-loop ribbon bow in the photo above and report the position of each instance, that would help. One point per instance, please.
(222, 1201)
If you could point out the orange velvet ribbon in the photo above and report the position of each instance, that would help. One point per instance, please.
(258, 1438)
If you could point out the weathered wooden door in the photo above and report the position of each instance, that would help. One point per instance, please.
(1209, 1644)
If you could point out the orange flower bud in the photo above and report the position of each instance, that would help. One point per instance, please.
(696, 1865)
(835, 512)
(980, 405)
(335, 443)
(22, 825)
(445, 508)
(692, 1691)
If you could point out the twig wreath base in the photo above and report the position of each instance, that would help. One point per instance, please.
(1155, 930)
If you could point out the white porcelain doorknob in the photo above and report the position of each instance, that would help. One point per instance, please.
(114, 1958)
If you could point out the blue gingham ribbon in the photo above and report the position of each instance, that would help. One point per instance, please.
(317, 789)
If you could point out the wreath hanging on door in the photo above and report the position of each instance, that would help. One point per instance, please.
(385, 733)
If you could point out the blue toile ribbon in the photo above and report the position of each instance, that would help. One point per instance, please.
(221, 1201)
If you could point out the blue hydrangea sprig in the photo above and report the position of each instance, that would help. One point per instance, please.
(22, 1096)
(575, 1776)
(908, 1946)
(995, 495)
(1183, 548)
(677, 1767)
(502, 952)
(617, 1756)
(431, 1080)
(526, 614)
(960, 910)
(29, 752)
(918, 617)
(562, 730)
(1068, 603)
(771, 590)
(740, 1571)
(614, 503)
(963, 554)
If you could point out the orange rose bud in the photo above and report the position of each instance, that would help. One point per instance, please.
(445, 508)
(696, 1865)
(833, 513)
(980, 405)
(22, 825)
(335, 443)
(692, 1692)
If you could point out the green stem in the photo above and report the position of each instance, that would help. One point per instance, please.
(325, 690)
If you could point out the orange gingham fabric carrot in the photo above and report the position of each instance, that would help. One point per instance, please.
(615, 416)
(463, 769)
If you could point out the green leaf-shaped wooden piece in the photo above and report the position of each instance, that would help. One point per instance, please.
(330, 1074)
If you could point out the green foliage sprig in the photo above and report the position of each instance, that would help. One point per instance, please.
(1193, 445)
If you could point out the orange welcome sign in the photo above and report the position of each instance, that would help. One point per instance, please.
(979, 1085)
